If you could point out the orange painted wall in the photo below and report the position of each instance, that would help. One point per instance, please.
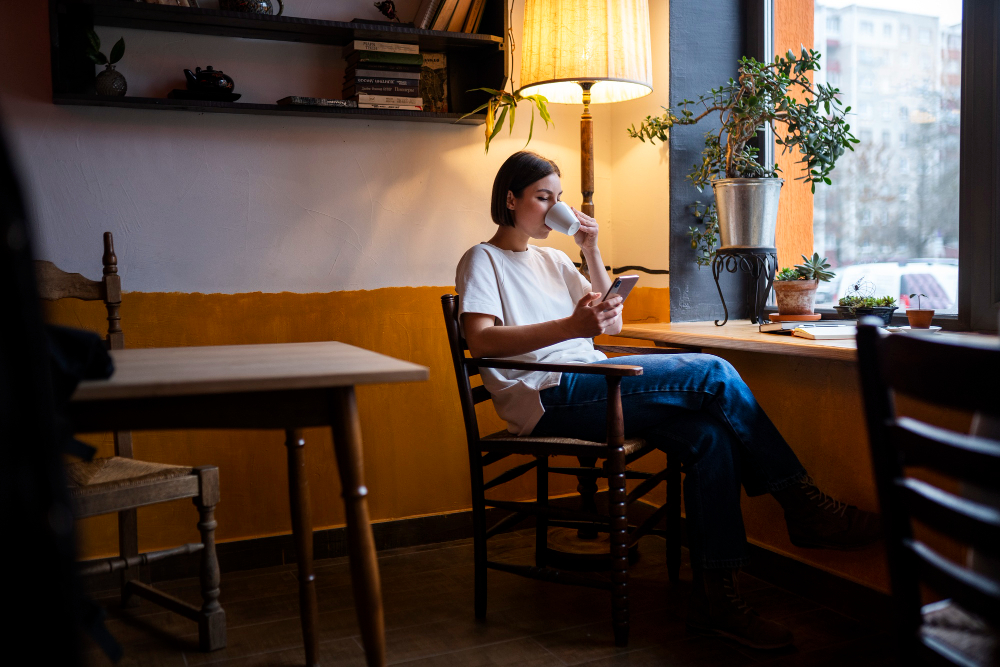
(793, 30)
(414, 442)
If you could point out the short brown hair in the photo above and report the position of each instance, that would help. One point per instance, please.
(518, 172)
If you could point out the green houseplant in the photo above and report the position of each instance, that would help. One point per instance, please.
(919, 318)
(859, 306)
(109, 82)
(776, 94)
(795, 289)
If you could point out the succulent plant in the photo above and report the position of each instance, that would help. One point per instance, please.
(815, 268)
(788, 274)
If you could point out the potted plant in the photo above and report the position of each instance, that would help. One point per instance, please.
(845, 306)
(795, 289)
(763, 95)
(109, 82)
(881, 306)
(920, 318)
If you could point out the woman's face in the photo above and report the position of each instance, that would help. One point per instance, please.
(535, 201)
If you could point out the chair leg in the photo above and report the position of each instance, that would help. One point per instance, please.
(617, 511)
(587, 488)
(541, 522)
(673, 521)
(212, 622)
(128, 546)
(478, 532)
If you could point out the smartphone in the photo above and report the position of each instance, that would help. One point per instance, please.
(621, 287)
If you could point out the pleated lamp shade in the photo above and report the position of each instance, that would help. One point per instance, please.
(568, 41)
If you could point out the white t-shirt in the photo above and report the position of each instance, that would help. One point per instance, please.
(518, 288)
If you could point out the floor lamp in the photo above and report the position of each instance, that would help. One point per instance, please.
(586, 52)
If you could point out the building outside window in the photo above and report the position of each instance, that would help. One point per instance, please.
(892, 211)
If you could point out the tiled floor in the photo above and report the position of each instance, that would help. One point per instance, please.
(427, 593)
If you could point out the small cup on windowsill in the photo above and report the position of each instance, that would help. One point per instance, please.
(920, 318)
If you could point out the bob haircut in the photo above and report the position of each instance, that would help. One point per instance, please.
(518, 172)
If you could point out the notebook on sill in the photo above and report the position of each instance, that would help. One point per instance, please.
(837, 332)
(787, 327)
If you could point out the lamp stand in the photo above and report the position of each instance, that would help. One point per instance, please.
(586, 163)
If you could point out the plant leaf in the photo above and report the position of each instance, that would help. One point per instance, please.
(95, 41)
(117, 51)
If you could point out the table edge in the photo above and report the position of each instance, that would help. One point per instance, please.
(807, 349)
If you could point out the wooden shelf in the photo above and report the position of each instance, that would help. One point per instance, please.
(474, 60)
(127, 14)
(265, 109)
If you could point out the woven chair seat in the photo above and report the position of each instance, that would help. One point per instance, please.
(950, 624)
(116, 472)
(631, 444)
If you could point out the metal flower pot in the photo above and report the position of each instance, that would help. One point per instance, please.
(748, 211)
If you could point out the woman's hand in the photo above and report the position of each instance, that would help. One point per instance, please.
(590, 319)
(586, 236)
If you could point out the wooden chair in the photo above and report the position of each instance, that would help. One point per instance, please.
(616, 453)
(951, 373)
(121, 484)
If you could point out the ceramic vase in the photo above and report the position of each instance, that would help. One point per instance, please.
(111, 82)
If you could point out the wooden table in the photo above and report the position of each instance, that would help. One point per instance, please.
(282, 386)
(739, 335)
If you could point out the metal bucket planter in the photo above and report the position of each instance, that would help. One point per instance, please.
(748, 211)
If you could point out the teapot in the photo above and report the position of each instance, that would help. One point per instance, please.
(209, 80)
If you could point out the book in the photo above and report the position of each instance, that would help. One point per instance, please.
(425, 13)
(316, 102)
(388, 99)
(382, 69)
(842, 332)
(405, 107)
(475, 16)
(384, 81)
(434, 82)
(787, 327)
(444, 14)
(384, 74)
(381, 89)
(386, 47)
(460, 15)
(356, 57)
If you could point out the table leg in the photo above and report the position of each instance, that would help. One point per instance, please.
(298, 494)
(360, 542)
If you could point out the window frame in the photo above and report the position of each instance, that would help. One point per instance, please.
(979, 165)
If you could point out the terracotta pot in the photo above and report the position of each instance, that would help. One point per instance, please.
(795, 297)
(920, 318)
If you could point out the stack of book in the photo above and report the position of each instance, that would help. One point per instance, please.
(383, 75)
(450, 15)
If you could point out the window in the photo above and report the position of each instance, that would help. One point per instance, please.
(895, 198)
(833, 24)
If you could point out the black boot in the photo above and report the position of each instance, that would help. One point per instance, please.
(817, 521)
(716, 607)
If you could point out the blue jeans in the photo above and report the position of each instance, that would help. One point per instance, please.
(695, 407)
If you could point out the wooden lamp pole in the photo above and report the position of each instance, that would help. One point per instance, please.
(587, 152)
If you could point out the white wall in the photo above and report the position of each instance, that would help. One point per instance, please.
(225, 203)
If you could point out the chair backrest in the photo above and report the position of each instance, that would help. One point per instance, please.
(55, 284)
(470, 396)
(957, 373)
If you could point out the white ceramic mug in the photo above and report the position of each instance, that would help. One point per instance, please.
(562, 219)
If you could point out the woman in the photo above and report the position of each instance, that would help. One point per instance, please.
(530, 303)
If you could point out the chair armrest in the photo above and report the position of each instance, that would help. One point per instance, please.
(635, 349)
(587, 369)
